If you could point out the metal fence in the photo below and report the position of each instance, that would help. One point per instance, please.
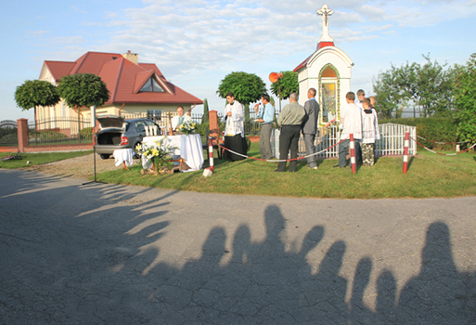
(162, 119)
(59, 131)
(70, 131)
(8, 133)
(392, 138)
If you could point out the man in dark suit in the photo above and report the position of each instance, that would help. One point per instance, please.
(309, 128)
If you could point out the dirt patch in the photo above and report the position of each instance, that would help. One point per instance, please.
(79, 167)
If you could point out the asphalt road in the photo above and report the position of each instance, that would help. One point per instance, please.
(113, 254)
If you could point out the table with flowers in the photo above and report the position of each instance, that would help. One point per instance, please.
(188, 147)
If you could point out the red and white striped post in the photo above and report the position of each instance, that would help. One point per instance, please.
(210, 150)
(405, 151)
(352, 153)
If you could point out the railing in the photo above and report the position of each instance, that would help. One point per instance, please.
(162, 119)
(59, 131)
(8, 133)
(392, 137)
(70, 131)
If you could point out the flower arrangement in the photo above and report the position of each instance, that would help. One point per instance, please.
(187, 127)
(157, 153)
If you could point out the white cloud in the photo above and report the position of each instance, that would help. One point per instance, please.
(198, 42)
(39, 33)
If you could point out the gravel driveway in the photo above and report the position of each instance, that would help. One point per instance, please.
(79, 167)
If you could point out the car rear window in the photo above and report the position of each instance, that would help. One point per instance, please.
(127, 126)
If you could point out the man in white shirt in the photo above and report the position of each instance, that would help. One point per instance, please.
(179, 119)
(351, 122)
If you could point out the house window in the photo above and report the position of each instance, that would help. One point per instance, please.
(152, 86)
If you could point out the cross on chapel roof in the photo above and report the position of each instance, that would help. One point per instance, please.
(325, 12)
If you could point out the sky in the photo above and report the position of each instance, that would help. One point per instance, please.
(196, 43)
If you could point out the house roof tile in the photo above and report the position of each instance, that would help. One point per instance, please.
(123, 78)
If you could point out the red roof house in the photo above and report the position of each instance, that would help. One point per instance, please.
(134, 87)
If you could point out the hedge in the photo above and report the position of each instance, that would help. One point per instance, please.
(439, 129)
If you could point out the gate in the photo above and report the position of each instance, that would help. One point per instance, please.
(8, 133)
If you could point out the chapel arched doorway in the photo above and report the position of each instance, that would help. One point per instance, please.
(329, 93)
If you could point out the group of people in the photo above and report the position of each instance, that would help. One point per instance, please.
(358, 117)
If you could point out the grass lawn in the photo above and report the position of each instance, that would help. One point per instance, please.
(39, 158)
(429, 175)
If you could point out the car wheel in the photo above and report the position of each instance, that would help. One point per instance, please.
(104, 156)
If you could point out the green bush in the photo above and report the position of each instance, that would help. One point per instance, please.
(47, 135)
(436, 129)
(11, 138)
(202, 129)
(86, 133)
(7, 131)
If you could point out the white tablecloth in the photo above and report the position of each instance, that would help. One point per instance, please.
(123, 155)
(189, 147)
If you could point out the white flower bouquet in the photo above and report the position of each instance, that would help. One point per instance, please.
(157, 153)
(187, 127)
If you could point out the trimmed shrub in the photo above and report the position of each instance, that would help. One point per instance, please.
(86, 133)
(437, 129)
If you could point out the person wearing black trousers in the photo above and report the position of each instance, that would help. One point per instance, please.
(290, 121)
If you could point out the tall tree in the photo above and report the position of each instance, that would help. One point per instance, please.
(33, 93)
(465, 100)
(83, 90)
(206, 110)
(427, 87)
(247, 88)
(389, 93)
(288, 83)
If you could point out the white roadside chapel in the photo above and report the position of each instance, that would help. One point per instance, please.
(328, 70)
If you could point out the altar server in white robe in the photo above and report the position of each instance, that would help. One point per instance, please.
(234, 131)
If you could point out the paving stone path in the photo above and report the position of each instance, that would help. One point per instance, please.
(113, 254)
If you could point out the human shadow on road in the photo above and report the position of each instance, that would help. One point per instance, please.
(264, 283)
(82, 266)
(438, 294)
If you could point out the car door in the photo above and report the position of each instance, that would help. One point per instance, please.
(139, 134)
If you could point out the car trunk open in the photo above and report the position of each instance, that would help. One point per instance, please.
(111, 129)
(109, 137)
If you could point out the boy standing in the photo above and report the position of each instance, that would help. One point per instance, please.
(368, 133)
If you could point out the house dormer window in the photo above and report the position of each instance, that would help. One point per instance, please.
(152, 86)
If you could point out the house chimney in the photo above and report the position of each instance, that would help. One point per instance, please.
(133, 57)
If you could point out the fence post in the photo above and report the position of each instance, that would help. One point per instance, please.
(405, 151)
(22, 133)
(352, 153)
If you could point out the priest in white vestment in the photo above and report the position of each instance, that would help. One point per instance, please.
(179, 119)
